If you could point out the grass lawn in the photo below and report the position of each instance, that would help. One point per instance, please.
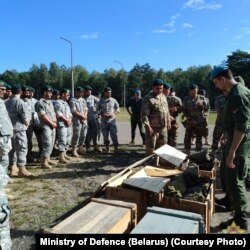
(123, 116)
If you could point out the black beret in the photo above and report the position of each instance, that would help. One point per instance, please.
(158, 82)
(167, 85)
(47, 88)
(56, 92)
(16, 87)
(107, 89)
(87, 88)
(25, 88)
(193, 86)
(64, 90)
(79, 89)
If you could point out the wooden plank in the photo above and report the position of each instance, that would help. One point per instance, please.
(172, 155)
(160, 172)
(143, 181)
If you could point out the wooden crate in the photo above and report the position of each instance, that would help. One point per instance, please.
(204, 209)
(169, 221)
(99, 216)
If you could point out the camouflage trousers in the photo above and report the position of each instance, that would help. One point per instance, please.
(92, 132)
(217, 133)
(64, 138)
(158, 138)
(79, 134)
(18, 153)
(48, 140)
(172, 134)
(198, 132)
(5, 147)
(109, 127)
(5, 239)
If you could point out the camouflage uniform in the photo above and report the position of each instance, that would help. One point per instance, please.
(196, 123)
(108, 125)
(92, 121)
(217, 133)
(45, 107)
(174, 102)
(64, 131)
(156, 114)
(20, 119)
(80, 126)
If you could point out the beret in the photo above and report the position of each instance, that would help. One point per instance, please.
(217, 70)
(158, 82)
(167, 85)
(137, 91)
(16, 87)
(79, 89)
(107, 89)
(193, 86)
(47, 88)
(87, 88)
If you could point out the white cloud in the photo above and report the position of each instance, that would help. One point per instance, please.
(94, 35)
(159, 31)
(238, 37)
(246, 30)
(201, 4)
(187, 25)
(155, 51)
(172, 21)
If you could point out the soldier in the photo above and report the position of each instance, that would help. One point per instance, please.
(135, 116)
(218, 130)
(92, 121)
(193, 110)
(107, 108)
(236, 125)
(175, 107)
(202, 92)
(47, 116)
(8, 92)
(79, 111)
(20, 120)
(155, 117)
(6, 131)
(64, 125)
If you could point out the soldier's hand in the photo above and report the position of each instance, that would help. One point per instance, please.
(148, 129)
(230, 159)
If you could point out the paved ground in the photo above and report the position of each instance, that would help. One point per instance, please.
(220, 214)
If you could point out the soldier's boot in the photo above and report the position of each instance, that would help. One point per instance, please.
(45, 163)
(88, 149)
(106, 150)
(62, 158)
(97, 149)
(23, 172)
(81, 150)
(66, 156)
(116, 150)
(14, 171)
(53, 163)
(132, 142)
(74, 152)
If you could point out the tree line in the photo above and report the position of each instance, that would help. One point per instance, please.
(140, 76)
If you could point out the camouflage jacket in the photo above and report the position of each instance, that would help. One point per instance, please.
(219, 106)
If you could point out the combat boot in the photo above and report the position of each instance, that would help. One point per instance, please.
(14, 170)
(132, 142)
(81, 150)
(66, 156)
(116, 150)
(45, 163)
(97, 150)
(62, 158)
(186, 151)
(106, 150)
(207, 142)
(23, 172)
(88, 149)
(74, 152)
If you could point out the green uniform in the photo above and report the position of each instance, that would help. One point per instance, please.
(236, 116)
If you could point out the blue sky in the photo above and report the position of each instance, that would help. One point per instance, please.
(166, 34)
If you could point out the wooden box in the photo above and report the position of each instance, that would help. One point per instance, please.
(169, 221)
(99, 216)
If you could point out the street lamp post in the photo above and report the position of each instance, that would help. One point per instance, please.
(124, 86)
(71, 56)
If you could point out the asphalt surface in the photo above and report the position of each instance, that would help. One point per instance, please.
(220, 215)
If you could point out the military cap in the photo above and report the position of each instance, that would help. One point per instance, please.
(158, 82)
(137, 91)
(16, 87)
(87, 88)
(107, 89)
(167, 85)
(79, 88)
(193, 86)
(64, 90)
(47, 88)
(217, 70)
(25, 88)
(202, 91)
(56, 92)
(2, 84)
(7, 86)
(32, 89)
